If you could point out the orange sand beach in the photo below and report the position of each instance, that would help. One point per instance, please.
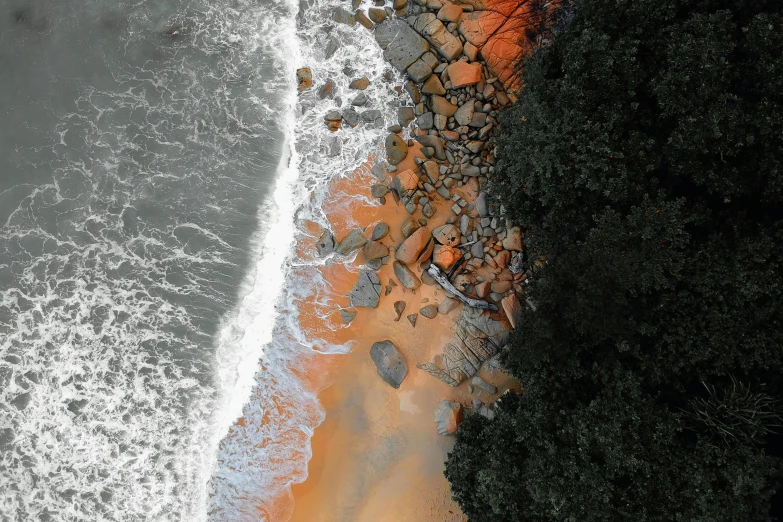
(377, 456)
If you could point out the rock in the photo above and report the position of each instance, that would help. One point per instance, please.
(503, 258)
(427, 279)
(513, 239)
(333, 119)
(450, 13)
(419, 71)
(413, 92)
(367, 291)
(331, 47)
(433, 85)
(326, 89)
(399, 4)
(435, 142)
(471, 51)
(500, 287)
(401, 44)
(484, 385)
(427, 252)
(347, 316)
(375, 250)
(409, 226)
(482, 205)
(396, 149)
(441, 105)
(325, 244)
(360, 100)
(406, 276)
(429, 311)
(424, 121)
(465, 227)
(405, 182)
(399, 308)
(482, 289)
(362, 19)
(377, 15)
(477, 250)
(379, 190)
(354, 241)
(445, 257)
(341, 16)
(471, 171)
(412, 319)
(462, 74)
(436, 33)
(478, 121)
(447, 305)
(464, 115)
(304, 78)
(448, 417)
(379, 231)
(351, 117)
(513, 309)
(360, 84)
(447, 235)
(390, 363)
(405, 115)
(413, 246)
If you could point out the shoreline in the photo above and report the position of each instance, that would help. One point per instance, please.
(377, 455)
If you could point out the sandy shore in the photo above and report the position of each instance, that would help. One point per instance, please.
(377, 456)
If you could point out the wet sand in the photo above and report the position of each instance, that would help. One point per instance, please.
(377, 456)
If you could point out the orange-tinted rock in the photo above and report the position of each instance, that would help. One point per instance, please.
(500, 287)
(479, 26)
(406, 181)
(464, 73)
(447, 235)
(445, 257)
(503, 258)
(450, 12)
(375, 250)
(513, 239)
(412, 248)
(333, 120)
(441, 105)
(448, 417)
(427, 252)
(513, 309)
(482, 289)
(304, 78)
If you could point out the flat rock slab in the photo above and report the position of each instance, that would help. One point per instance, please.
(390, 363)
(401, 44)
(367, 291)
(448, 416)
(464, 73)
(406, 276)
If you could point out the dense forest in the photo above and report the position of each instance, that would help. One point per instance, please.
(644, 160)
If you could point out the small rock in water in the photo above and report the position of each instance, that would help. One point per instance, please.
(326, 89)
(325, 244)
(304, 78)
(360, 100)
(333, 119)
(347, 316)
(360, 84)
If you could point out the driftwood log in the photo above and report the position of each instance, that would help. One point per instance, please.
(438, 276)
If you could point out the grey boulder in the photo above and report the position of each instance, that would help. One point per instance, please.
(390, 363)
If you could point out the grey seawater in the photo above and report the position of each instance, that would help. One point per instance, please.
(133, 170)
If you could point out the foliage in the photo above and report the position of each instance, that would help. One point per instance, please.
(644, 158)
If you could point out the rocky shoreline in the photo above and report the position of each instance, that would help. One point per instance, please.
(455, 93)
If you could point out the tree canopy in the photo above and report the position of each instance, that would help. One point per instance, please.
(644, 159)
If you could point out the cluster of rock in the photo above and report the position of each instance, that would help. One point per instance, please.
(455, 94)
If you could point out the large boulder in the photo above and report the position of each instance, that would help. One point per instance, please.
(414, 246)
(445, 257)
(436, 33)
(464, 73)
(447, 235)
(448, 417)
(390, 363)
(405, 182)
(464, 114)
(513, 309)
(406, 276)
(367, 291)
(353, 241)
(396, 149)
(401, 44)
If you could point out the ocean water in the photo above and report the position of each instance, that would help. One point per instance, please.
(152, 190)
